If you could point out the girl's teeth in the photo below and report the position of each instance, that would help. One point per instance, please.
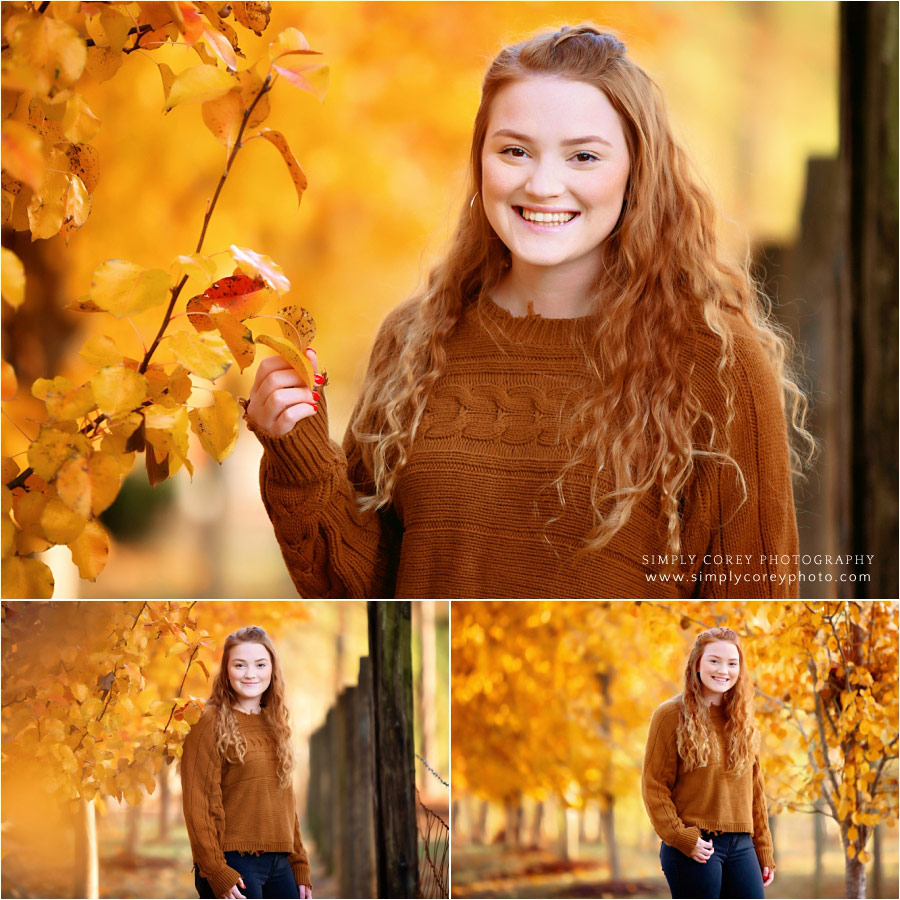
(546, 218)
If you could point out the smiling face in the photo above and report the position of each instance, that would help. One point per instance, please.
(719, 668)
(250, 673)
(555, 166)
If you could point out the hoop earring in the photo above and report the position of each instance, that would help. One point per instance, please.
(472, 201)
(472, 207)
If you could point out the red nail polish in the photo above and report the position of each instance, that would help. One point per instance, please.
(315, 408)
(320, 379)
(316, 396)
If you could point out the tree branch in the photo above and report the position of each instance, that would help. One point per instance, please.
(176, 291)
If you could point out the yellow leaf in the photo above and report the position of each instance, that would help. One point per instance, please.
(47, 207)
(118, 390)
(199, 84)
(865, 857)
(851, 851)
(77, 206)
(13, 276)
(9, 535)
(60, 524)
(852, 833)
(291, 40)
(192, 713)
(159, 708)
(236, 335)
(63, 399)
(89, 552)
(166, 430)
(80, 692)
(203, 354)
(79, 124)
(108, 29)
(254, 16)
(194, 266)
(300, 362)
(310, 78)
(23, 153)
(217, 426)
(100, 351)
(103, 63)
(46, 54)
(26, 579)
(123, 288)
(279, 141)
(168, 79)
(132, 796)
(257, 264)
(88, 485)
(84, 161)
(222, 117)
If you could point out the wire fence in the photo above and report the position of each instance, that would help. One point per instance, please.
(434, 846)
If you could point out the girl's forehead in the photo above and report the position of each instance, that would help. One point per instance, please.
(721, 648)
(248, 650)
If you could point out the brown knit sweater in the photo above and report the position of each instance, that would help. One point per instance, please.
(237, 806)
(475, 513)
(682, 803)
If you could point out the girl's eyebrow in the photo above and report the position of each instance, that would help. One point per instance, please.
(524, 138)
(241, 659)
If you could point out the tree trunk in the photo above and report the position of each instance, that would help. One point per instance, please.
(608, 818)
(87, 862)
(165, 802)
(855, 880)
(866, 478)
(390, 648)
(819, 843)
(133, 831)
(877, 863)
(570, 834)
(364, 784)
(538, 826)
(480, 835)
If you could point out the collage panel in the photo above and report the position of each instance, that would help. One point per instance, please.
(693, 749)
(173, 749)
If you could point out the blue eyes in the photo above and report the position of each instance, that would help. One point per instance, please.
(582, 156)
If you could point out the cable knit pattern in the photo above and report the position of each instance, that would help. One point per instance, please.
(475, 511)
(681, 803)
(237, 806)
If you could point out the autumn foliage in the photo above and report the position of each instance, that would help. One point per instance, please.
(556, 698)
(92, 432)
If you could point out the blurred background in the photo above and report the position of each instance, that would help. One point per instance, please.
(753, 90)
(551, 709)
(143, 848)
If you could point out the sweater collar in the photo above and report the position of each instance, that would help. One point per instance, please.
(531, 328)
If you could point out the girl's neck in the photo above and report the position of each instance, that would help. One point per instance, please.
(249, 712)
(552, 292)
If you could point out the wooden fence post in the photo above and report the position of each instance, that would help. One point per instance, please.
(390, 647)
(364, 785)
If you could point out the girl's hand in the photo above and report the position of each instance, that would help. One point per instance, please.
(768, 875)
(234, 893)
(305, 892)
(279, 398)
(703, 851)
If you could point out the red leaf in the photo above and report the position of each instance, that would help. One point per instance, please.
(240, 294)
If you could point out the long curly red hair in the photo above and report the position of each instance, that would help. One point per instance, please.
(230, 742)
(664, 275)
(696, 744)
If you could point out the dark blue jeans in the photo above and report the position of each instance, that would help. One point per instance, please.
(266, 875)
(732, 871)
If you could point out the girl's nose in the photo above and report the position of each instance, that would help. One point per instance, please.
(545, 179)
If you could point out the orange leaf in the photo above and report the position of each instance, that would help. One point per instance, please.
(279, 141)
(10, 382)
(240, 294)
(236, 335)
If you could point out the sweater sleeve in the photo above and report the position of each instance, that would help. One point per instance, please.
(299, 858)
(762, 837)
(204, 815)
(658, 779)
(310, 488)
(753, 546)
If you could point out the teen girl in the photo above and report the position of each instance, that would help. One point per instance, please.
(586, 400)
(236, 780)
(702, 783)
